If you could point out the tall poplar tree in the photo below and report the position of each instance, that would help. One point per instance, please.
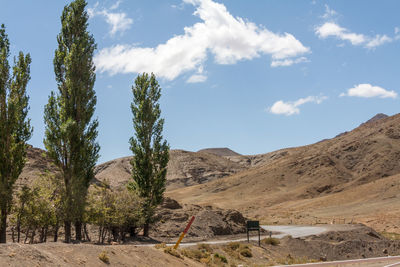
(71, 134)
(150, 152)
(15, 129)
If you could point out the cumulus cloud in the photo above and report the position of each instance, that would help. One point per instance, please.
(229, 39)
(367, 90)
(197, 78)
(288, 62)
(290, 108)
(118, 21)
(333, 29)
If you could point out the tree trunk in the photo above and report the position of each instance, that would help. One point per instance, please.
(18, 230)
(146, 229)
(56, 232)
(132, 231)
(3, 225)
(67, 229)
(87, 237)
(78, 231)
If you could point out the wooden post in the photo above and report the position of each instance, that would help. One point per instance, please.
(184, 233)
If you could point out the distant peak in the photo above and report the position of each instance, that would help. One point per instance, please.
(220, 151)
(377, 117)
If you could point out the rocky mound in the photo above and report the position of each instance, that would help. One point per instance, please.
(184, 169)
(209, 222)
(360, 242)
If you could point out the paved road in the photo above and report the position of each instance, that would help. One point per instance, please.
(370, 262)
(294, 230)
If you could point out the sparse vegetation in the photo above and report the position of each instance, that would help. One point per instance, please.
(391, 236)
(238, 250)
(270, 241)
(173, 252)
(104, 257)
(160, 246)
(220, 257)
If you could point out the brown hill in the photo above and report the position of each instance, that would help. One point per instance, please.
(350, 175)
(184, 169)
(222, 152)
(37, 164)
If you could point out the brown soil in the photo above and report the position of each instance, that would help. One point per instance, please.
(59, 254)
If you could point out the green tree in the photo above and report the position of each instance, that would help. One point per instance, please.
(150, 152)
(70, 136)
(15, 129)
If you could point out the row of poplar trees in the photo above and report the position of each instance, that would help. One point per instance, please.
(71, 130)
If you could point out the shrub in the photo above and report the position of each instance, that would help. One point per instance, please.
(271, 241)
(173, 252)
(246, 252)
(161, 245)
(220, 257)
(104, 257)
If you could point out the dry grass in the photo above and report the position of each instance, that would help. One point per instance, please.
(391, 236)
(173, 252)
(104, 257)
(270, 241)
(160, 246)
(238, 250)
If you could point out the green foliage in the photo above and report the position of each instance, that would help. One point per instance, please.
(114, 212)
(38, 207)
(220, 257)
(70, 136)
(151, 153)
(15, 129)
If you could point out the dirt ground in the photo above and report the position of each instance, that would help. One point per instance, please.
(346, 242)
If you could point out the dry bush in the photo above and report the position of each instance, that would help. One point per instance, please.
(161, 245)
(104, 257)
(173, 252)
(238, 250)
(270, 241)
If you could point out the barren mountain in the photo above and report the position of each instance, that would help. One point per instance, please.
(223, 152)
(353, 174)
(184, 169)
(37, 164)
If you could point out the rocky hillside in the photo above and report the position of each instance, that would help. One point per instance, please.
(222, 152)
(300, 178)
(184, 169)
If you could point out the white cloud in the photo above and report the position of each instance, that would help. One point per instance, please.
(367, 90)
(329, 13)
(332, 29)
(290, 108)
(288, 62)
(119, 21)
(229, 39)
(378, 40)
(197, 78)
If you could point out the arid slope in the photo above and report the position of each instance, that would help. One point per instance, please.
(352, 175)
(184, 169)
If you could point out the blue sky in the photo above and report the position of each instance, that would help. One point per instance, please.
(254, 76)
